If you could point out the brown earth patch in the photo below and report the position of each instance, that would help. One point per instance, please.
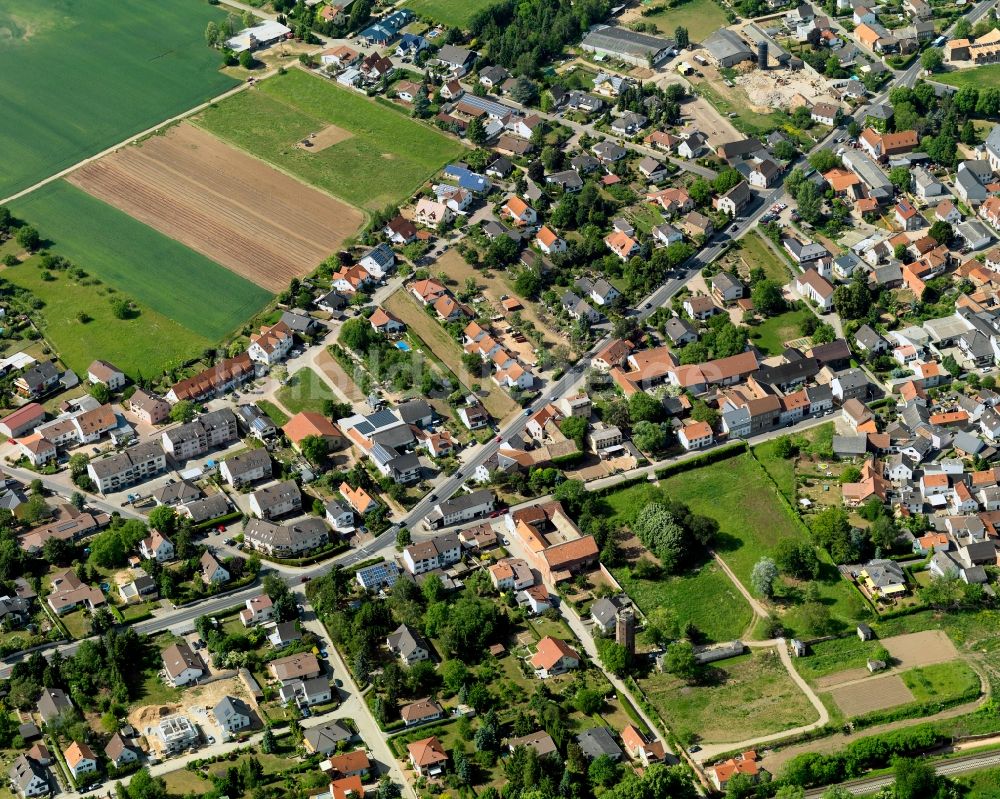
(921, 649)
(839, 678)
(329, 136)
(240, 212)
(867, 696)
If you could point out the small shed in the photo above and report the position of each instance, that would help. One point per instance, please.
(865, 633)
(798, 648)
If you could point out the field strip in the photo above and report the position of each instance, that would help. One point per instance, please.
(149, 131)
(223, 203)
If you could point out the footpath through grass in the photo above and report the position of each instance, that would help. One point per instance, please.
(381, 159)
(80, 76)
(140, 262)
(745, 697)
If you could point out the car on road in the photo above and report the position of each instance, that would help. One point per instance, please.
(694, 748)
(527, 411)
(649, 305)
(498, 439)
(505, 541)
(211, 739)
(305, 579)
(433, 497)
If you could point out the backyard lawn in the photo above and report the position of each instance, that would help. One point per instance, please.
(700, 17)
(771, 335)
(379, 155)
(274, 413)
(71, 89)
(747, 696)
(941, 682)
(304, 391)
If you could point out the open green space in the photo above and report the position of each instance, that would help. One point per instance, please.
(754, 250)
(744, 697)
(700, 17)
(941, 682)
(771, 334)
(304, 391)
(752, 521)
(705, 597)
(984, 77)
(448, 12)
(142, 264)
(149, 342)
(276, 415)
(837, 654)
(384, 158)
(80, 76)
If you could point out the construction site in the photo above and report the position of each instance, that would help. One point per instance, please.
(770, 89)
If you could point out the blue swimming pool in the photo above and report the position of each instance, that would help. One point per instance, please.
(402, 345)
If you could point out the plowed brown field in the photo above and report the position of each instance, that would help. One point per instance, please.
(221, 202)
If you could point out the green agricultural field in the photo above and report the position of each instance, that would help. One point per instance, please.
(81, 76)
(381, 159)
(137, 261)
(148, 343)
(746, 697)
(700, 17)
(985, 77)
(454, 13)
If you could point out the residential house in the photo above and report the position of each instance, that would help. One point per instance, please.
(104, 373)
(182, 665)
(553, 657)
(408, 645)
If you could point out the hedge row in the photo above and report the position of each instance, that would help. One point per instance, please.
(713, 456)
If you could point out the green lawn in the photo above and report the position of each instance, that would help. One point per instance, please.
(157, 692)
(700, 17)
(81, 76)
(738, 494)
(78, 624)
(838, 654)
(149, 343)
(984, 77)
(454, 13)
(756, 253)
(941, 682)
(706, 598)
(304, 391)
(748, 696)
(772, 333)
(141, 263)
(384, 159)
(278, 416)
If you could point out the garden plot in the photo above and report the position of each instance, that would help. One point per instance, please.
(867, 696)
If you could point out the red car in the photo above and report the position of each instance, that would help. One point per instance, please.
(221, 528)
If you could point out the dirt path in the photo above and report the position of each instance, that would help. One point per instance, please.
(329, 368)
(757, 607)
(710, 751)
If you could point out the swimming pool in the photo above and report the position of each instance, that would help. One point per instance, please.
(402, 345)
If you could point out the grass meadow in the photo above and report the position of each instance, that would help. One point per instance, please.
(448, 12)
(79, 77)
(700, 17)
(199, 296)
(383, 159)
